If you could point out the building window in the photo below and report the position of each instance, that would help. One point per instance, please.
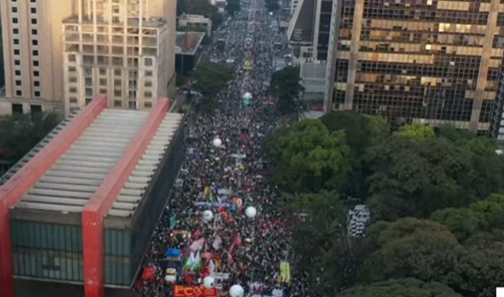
(15, 31)
(17, 62)
(36, 83)
(117, 93)
(103, 91)
(72, 69)
(148, 94)
(117, 103)
(33, 21)
(71, 58)
(36, 94)
(148, 104)
(34, 32)
(17, 72)
(73, 99)
(103, 81)
(103, 71)
(15, 20)
(16, 41)
(74, 109)
(88, 100)
(117, 72)
(17, 52)
(148, 83)
(36, 63)
(34, 109)
(19, 93)
(117, 83)
(14, 10)
(35, 53)
(33, 10)
(17, 109)
(33, 1)
(148, 62)
(148, 73)
(72, 90)
(18, 83)
(36, 73)
(34, 42)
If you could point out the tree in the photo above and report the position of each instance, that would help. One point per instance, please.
(462, 222)
(309, 158)
(201, 7)
(427, 175)
(361, 132)
(416, 131)
(481, 269)
(210, 79)
(272, 5)
(233, 6)
(408, 287)
(331, 260)
(285, 84)
(410, 247)
(20, 133)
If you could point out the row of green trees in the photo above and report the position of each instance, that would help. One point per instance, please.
(20, 133)
(434, 195)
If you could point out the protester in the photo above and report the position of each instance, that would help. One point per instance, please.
(228, 178)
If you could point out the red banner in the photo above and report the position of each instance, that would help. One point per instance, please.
(187, 291)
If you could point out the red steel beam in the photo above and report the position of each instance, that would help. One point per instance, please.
(104, 197)
(12, 191)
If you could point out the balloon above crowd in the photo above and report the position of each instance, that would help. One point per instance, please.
(209, 282)
(250, 212)
(208, 215)
(217, 142)
(236, 291)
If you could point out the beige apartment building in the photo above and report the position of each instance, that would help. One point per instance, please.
(33, 54)
(124, 48)
(61, 53)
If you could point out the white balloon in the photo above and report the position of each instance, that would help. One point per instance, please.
(217, 142)
(236, 291)
(250, 212)
(207, 215)
(209, 282)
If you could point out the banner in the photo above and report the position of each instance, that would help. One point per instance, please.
(212, 204)
(192, 291)
(285, 276)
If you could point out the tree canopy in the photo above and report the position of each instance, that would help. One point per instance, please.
(408, 287)
(286, 85)
(436, 197)
(201, 7)
(233, 6)
(210, 79)
(308, 157)
(20, 133)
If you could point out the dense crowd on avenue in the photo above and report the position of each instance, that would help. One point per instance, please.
(223, 215)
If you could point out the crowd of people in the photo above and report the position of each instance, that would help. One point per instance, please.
(228, 211)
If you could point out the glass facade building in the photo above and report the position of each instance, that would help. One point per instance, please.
(420, 61)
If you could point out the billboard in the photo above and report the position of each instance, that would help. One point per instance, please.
(193, 291)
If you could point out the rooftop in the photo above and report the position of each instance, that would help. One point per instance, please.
(187, 43)
(99, 158)
(70, 183)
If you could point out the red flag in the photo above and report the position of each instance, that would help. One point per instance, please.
(237, 241)
(197, 234)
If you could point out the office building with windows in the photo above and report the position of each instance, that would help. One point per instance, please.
(33, 54)
(123, 48)
(419, 61)
(309, 33)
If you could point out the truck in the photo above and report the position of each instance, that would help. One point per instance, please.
(172, 265)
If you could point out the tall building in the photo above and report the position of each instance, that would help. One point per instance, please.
(420, 61)
(311, 33)
(123, 48)
(33, 54)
